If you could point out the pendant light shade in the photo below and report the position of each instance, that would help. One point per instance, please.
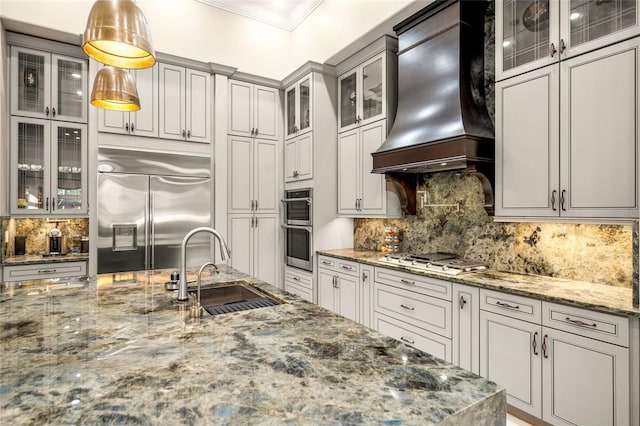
(115, 89)
(117, 34)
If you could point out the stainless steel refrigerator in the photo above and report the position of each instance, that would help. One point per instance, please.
(147, 202)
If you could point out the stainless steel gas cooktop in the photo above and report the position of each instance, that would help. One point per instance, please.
(445, 263)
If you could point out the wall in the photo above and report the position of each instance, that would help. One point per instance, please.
(35, 231)
(593, 253)
(190, 29)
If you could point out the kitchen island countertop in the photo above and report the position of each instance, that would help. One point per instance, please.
(121, 350)
(599, 297)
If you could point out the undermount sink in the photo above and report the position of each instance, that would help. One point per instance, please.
(232, 298)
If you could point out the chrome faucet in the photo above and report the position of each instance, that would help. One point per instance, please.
(225, 253)
(196, 309)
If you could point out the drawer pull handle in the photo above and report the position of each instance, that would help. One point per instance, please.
(324, 262)
(348, 268)
(296, 279)
(544, 346)
(506, 305)
(535, 343)
(409, 341)
(47, 271)
(581, 323)
(407, 282)
(402, 305)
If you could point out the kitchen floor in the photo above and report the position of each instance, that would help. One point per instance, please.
(514, 421)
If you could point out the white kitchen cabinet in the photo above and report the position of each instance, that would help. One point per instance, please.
(339, 288)
(298, 118)
(185, 104)
(48, 167)
(298, 158)
(253, 111)
(299, 282)
(531, 35)
(566, 138)
(466, 327)
(253, 244)
(253, 175)
(360, 192)
(143, 122)
(366, 296)
(562, 364)
(40, 271)
(48, 86)
(363, 93)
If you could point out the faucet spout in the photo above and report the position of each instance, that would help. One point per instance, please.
(225, 253)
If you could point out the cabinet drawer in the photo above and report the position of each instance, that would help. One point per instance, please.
(418, 283)
(44, 270)
(299, 279)
(302, 292)
(348, 267)
(511, 305)
(596, 325)
(422, 311)
(420, 339)
(327, 262)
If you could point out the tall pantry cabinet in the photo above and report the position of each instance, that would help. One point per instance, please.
(253, 179)
(567, 111)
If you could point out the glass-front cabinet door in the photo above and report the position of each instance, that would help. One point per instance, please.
(373, 91)
(30, 159)
(304, 104)
(290, 100)
(348, 93)
(590, 24)
(526, 35)
(298, 104)
(48, 86)
(69, 165)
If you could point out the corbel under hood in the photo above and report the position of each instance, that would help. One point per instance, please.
(441, 121)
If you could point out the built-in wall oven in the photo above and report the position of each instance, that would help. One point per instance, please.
(298, 229)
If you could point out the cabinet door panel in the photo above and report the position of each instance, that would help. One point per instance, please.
(507, 358)
(69, 168)
(265, 251)
(198, 106)
(172, 102)
(326, 289)
(373, 189)
(266, 122)
(586, 382)
(240, 108)
(290, 159)
(366, 296)
(68, 89)
(347, 172)
(145, 121)
(347, 304)
(30, 82)
(305, 156)
(527, 144)
(240, 155)
(348, 95)
(373, 91)
(466, 327)
(240, 242)
(266, 176)
(600, 135)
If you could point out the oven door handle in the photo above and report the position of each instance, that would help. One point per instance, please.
(306, 228)
(292, 200)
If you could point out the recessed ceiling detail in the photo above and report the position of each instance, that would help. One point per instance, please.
(284, 14)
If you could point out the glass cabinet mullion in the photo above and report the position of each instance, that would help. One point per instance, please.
(68, 159)
(69, 89)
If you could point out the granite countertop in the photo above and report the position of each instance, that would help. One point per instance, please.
(599, 297)
(119, 349)
(38, 258)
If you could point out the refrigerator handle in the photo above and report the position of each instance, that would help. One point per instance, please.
(153, 230)
(146, 233)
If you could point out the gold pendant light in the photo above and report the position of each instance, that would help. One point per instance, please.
(115, 89)
(117, 34)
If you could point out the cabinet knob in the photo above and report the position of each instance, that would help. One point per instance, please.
(535, 343)
(562, 46)
(126, 126)
(256, 131)
(53, 112)
(188, 134)
(544, 346)
(132, 128)
(462, 302)
(46, 111)
(184, 133)
(553, 200)
(563, 197)
(552, 50)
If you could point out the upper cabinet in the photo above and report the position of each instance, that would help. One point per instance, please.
(253, 111)
(362, 94)
(47, 85)
(48, 167)
(143, 122)
(185, 104)
(531, 34)
(567, 137)
(297, 104)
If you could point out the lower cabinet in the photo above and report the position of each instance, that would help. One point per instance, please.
(466, 327)
(366, 296)
(253, 241)
(298, 282)
(339, 292)
(564, 365)
(44, 270)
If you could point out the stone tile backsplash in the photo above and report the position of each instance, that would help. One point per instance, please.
(585, 252)
(35, 230)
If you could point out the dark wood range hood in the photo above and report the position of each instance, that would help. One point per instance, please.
(441, 121)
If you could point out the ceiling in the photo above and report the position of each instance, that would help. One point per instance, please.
(284, 14)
